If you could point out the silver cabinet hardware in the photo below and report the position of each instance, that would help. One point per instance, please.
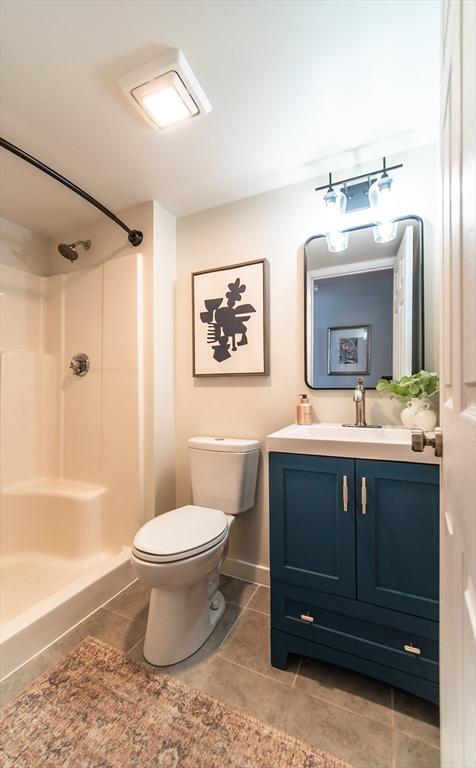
(307, 617)
(79, 364)
(364, 495)
(412, 649)
(420, 440)
(345, 493)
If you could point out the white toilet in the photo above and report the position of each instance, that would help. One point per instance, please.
(179, 554)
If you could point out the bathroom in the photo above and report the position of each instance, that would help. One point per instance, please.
(93, 454)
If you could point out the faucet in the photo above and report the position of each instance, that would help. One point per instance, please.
(359, 400)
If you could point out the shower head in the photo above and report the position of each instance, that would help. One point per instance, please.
(69, 250)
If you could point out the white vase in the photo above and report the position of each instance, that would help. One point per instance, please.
(425, 418)
(408, 415)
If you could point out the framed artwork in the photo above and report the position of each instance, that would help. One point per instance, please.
(348, 350)
(229, 311)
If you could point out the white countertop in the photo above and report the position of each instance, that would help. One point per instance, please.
(389, 443)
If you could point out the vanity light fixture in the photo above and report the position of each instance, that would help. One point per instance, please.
(165, 91)
(381, 202)
(374, 194)
(334, 209)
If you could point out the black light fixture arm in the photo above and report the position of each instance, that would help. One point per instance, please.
(135, 237)
(383, 170)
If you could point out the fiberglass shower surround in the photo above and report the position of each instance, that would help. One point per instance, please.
(71, 466)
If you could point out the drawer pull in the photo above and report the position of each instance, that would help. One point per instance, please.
(345, 493)
(307, 617)
(364, 495)
(412, 649)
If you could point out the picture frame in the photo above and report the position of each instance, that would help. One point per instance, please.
(230, 321)
(348, 350)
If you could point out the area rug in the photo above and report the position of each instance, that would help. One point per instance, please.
(97, 708)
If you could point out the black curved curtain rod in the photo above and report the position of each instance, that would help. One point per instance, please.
(135, 237)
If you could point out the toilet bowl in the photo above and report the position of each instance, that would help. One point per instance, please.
(179, 553)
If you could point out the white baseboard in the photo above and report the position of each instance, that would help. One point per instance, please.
(240, 569)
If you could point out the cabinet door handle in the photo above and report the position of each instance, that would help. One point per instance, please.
(412, 649)
(364, 496)
(345, 493)
(307, 617)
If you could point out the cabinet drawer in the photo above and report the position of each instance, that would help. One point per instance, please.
(308, 614)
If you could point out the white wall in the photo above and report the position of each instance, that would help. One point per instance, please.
(275, 226)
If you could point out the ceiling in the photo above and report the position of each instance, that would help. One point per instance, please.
(293, 84)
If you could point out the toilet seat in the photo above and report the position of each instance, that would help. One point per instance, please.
(180, 534)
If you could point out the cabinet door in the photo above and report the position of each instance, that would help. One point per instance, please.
(397, 536)
(312, 529)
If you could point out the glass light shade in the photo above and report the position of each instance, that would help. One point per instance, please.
(334, 208)
(337, 241)
(381, 202)
(386, 232)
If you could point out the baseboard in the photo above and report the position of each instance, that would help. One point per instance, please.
(240, 569)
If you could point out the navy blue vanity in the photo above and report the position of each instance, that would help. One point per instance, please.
(354, 566)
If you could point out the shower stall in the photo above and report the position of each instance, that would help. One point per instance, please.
(71, 440)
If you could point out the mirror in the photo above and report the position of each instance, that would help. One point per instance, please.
(364, 307)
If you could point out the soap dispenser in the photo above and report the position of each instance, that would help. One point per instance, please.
(304, 410)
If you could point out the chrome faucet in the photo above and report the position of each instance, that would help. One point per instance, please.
(359, 400)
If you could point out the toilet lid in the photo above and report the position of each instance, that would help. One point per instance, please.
(180, 533)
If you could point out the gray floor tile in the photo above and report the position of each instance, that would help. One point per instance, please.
(347, 689)
(259, 696)
(133, 603)
(19, 680)
(260, 600)
(411, 753)
(207, 651)
(236, 591)
(116, 630)
(248, 645)
(359, 740)
(416, 717)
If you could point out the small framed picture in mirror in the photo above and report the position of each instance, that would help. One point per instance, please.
(348, 350)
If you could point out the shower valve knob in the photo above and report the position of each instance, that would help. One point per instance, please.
(79, 364)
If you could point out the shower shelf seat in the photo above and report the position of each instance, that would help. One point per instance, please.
(56, 566)
(57, 517)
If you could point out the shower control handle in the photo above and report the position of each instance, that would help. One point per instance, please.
(79, 364)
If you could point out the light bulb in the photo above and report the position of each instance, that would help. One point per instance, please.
(381, 202)
(337, 241)
(334, 209)
(386, 232)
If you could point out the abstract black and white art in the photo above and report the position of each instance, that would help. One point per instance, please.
(229, 320)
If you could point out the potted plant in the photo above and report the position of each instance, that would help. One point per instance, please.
(414, 391)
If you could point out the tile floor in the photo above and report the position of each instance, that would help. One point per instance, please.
(356, 718)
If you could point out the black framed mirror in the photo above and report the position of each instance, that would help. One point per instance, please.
(363, 307)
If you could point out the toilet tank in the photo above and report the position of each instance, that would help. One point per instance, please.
(224, 472)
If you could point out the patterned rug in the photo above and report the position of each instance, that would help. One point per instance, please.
(98, 708)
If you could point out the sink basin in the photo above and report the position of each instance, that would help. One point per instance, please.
(389, 442)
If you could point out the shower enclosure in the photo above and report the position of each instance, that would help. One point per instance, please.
(71, 462)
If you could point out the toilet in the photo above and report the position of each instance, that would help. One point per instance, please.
(179, 554)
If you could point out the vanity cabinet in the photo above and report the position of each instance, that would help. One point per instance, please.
(354, 566)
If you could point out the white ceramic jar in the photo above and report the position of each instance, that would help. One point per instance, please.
(408, 415)
(425, 418)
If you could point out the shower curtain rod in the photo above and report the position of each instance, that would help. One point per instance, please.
(135, 237)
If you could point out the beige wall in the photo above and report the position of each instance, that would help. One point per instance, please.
(24, 249)
(274, 226)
